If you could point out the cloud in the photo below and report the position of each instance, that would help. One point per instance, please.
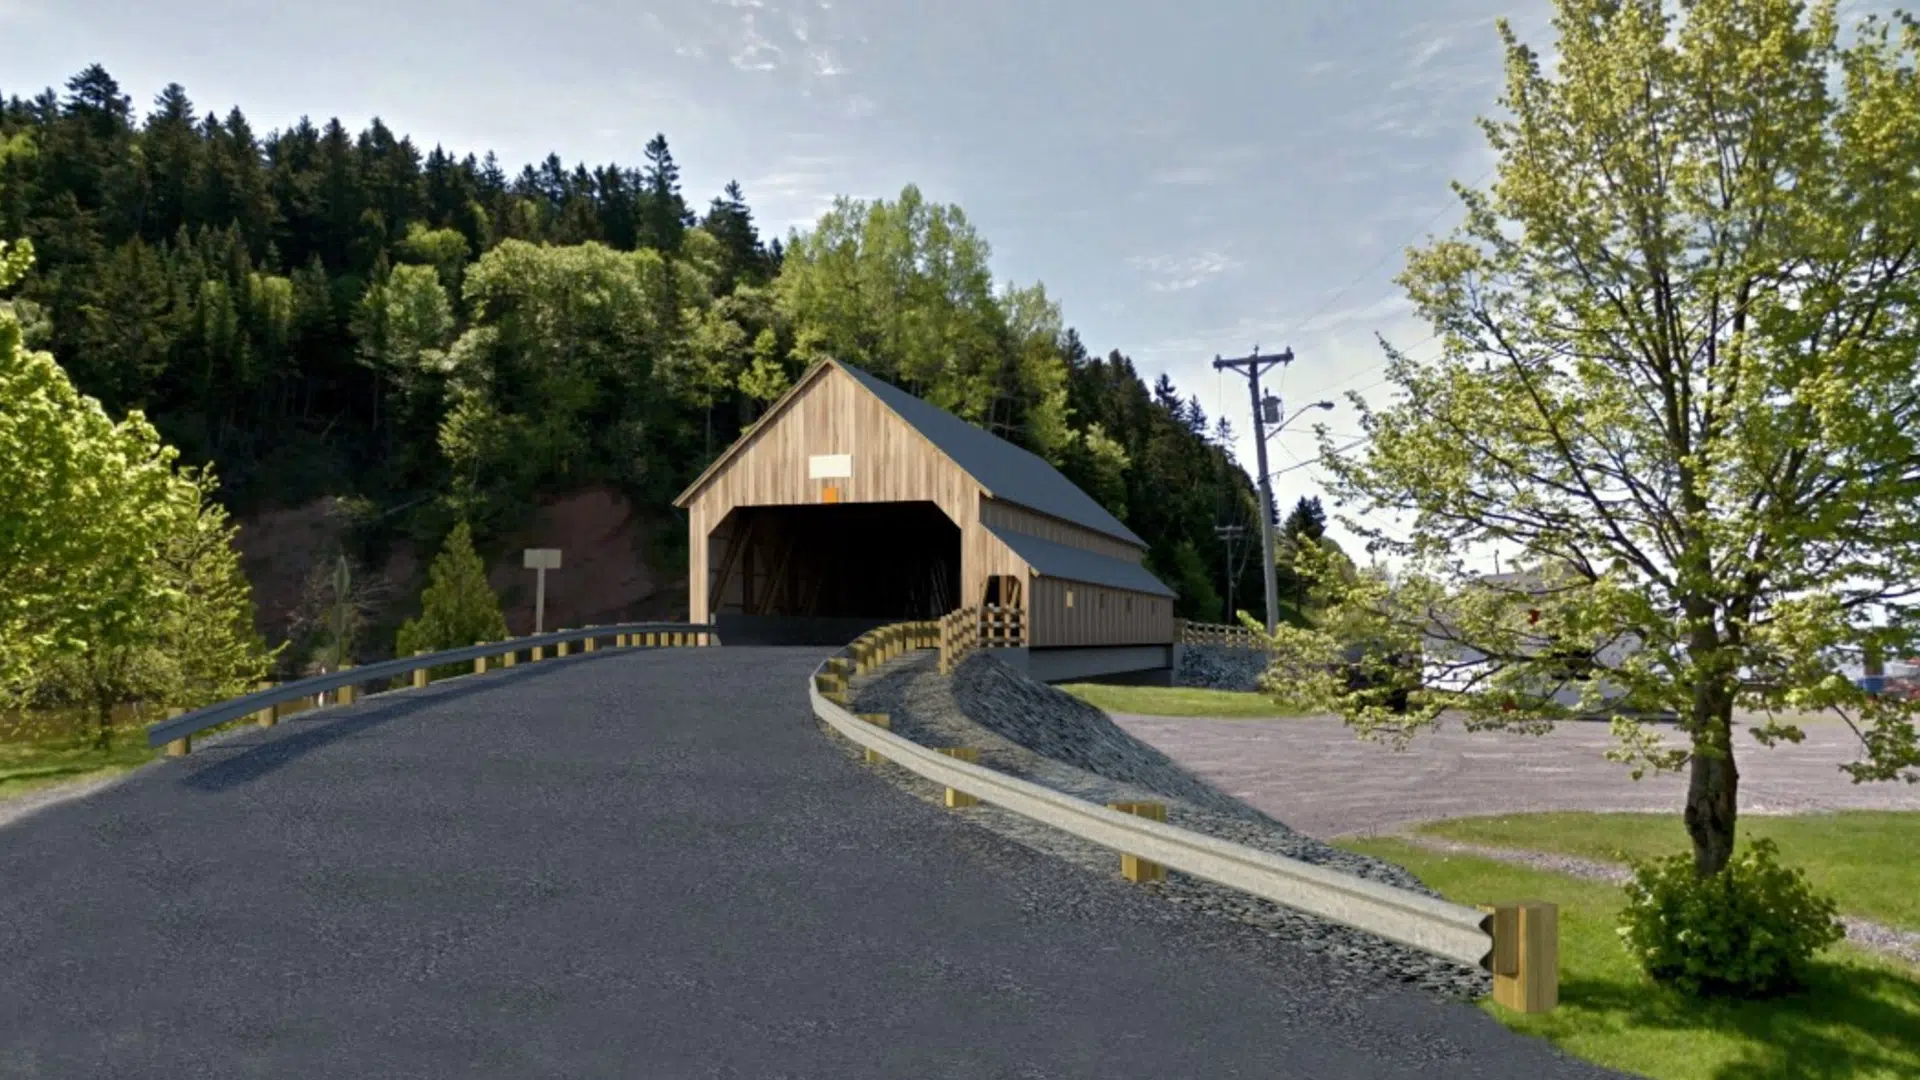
(1178, 273)
(1187, 176)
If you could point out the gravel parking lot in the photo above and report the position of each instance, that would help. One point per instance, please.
(1316, 775)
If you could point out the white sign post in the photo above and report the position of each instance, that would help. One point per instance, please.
(541, 560)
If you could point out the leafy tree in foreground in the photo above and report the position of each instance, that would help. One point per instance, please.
(458, 607)
(77, 523)
(1680, 371)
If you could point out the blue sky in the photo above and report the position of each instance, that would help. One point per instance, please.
(1186, 179)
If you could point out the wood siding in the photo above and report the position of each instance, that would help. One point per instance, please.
(1006, 515)
(1099, 615)
(832, 414)
(889, 462)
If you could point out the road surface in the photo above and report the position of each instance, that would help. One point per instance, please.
(628, 864)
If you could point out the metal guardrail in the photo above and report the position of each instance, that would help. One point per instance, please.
(192, 723)
(1518, 943)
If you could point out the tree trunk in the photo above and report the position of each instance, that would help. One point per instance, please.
(1713, 784)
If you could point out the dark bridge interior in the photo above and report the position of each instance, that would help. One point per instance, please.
(822, 575)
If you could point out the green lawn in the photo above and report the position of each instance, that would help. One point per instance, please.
(1865, 860)
(29, 764)
(1175, 701)
(1859, 1019)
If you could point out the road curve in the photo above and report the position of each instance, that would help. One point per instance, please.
(635, 864)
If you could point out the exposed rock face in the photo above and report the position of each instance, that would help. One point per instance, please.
(1217, 667)
(604, 578)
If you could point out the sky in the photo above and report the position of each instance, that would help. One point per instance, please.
(1187, 180)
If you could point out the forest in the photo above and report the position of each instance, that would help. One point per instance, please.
(313, 311)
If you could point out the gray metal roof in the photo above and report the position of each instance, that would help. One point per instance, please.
(1050, 559)
(1004, 469)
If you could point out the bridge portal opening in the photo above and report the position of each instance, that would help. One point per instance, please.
(823, 575)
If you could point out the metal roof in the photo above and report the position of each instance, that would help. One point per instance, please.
(1005, 470)
(1050, 559)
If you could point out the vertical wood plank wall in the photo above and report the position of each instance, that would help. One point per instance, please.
(1099, 616)
(829, 414)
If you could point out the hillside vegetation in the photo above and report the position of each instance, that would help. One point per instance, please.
(434, 338)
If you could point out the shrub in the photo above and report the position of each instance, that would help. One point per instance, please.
(1746, 931)
(457, 609)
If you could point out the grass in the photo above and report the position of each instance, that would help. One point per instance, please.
(29, 764)
(1864, 859)
(1859, 1017)
(1176, 701)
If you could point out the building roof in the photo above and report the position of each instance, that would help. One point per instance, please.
(1051, 559)
(1007, 472)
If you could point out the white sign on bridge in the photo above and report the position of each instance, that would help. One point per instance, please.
(543, 558)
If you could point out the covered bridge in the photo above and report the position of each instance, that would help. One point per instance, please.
(852, 503)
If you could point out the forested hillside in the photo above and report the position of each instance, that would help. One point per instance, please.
(314, 311)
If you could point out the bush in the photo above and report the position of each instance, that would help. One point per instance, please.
(1746, 931)
(457, 609)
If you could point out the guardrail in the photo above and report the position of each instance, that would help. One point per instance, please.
(1517, 942)
(176, 732)
(1234, 637)
(990, 627)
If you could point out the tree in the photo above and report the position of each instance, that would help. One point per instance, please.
(1307, 519)
(78, 495)
(458, 607)
(1679, 371)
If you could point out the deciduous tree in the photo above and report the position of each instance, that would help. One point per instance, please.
(1680, 371)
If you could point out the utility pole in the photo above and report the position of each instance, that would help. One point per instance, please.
(1229, 533)
(1266, 410)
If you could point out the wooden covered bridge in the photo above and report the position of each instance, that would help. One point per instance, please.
(852, 503)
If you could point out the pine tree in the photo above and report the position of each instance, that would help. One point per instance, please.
(664, 216)
(458, 607)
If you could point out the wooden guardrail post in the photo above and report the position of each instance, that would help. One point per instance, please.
(480, 662)
(592, 644)
(1526, 955)
(534, 654)
(970, 754)
(510, 657)
(1133, 867)
(560, 647)
(181, 746)
(879, 720)
(347, 694)
(265, 717)
(419, 673)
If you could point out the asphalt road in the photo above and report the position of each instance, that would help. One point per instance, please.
(627, 865)
(1314, 774)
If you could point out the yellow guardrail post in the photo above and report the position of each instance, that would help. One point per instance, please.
(970, 754)
(480, 662)
(181, 746)
(560, 647)
(879, 720)
(419, 673)
(264, 717)
(1133, 867)
(1526, 955)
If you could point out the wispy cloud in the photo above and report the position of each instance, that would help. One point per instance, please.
(1178, 273)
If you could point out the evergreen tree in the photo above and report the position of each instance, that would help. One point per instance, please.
(664, 217)
(457, 608)
(1307, 519)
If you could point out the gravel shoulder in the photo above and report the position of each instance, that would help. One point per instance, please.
(1043, 735)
